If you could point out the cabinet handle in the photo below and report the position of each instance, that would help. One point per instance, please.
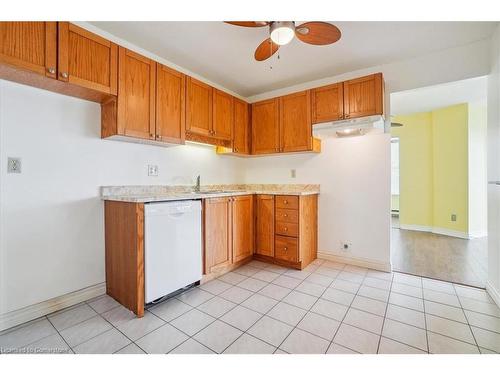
(286, 229)
(235, 149)
(285, 202)
(285, 215)
(347, 115)
(285, 248)
(52, 70)
(158, 136)
(151, 135)
(64, 75)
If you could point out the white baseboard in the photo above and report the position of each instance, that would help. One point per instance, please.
(25, 314)
(436, 230)
(494, 293)
(356, 261)
(478, 234)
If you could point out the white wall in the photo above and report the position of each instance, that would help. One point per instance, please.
(494, 170)
(478, 175)
(354, 204)
(51, 217)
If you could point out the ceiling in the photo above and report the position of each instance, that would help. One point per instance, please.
(426, 99)
(223, 53)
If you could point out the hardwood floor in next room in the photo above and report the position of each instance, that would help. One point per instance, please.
(440, 257)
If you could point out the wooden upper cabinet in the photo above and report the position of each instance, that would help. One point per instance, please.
(265, 127)
(199, 107)
(327, 103)
(30, 46)
(217, 225)
(136, 95)
(264, 238)
(295, 122)
(170, 105)
(86, 59)
(241, 127)
(243, 227)
(363, 96)
(223, 115)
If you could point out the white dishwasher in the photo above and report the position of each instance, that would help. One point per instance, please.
(173, 252)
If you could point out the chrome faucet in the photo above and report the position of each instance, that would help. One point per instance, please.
(197, 186)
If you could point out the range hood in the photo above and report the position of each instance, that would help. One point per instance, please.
(368, 124)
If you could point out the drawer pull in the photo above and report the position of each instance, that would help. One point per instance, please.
(285, 248)
(285, 215)
(285, 229)
(285, 201)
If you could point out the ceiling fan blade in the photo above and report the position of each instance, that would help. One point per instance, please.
(248, 23)
(318, 33)
(266, 49)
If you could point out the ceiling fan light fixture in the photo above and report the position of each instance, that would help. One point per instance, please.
(282, 32)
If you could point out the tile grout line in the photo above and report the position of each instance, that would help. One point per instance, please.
(425, 317)
(385, 314)
(112, 326)
(468, 324)
(70, 348)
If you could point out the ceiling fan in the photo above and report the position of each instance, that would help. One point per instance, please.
(282, 32)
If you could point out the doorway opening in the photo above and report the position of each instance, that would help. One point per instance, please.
(439, 182)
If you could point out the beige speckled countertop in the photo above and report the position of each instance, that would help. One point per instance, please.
(159, 193)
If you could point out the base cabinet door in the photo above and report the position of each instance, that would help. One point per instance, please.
(217, 225)
(264, 239)
(243, 223)
(30, 46)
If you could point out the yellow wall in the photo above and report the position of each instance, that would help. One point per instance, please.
(451, 166)
(433, 163)
(415, 168)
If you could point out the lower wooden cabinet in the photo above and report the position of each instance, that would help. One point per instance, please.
(264, 236)
(228, 231)
(217, 233)
(287, 229)
(243, 227)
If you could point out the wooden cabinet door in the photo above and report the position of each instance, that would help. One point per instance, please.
(327, 103)
(217, 226)
(199, 107)
(295, 122)
(265, 127)
(243, 222)
(241, 127)
(86, 59)
(30, 46)
(170, 105)
(363, 96)
(136, 95)
(223, 115)
(264, 239)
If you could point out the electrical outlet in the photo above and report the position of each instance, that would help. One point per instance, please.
(345, 246)
(293, 173)
(453, 217)
(152, 170)
(13, 165)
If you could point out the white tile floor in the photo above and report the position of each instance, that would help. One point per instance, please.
(260, 308)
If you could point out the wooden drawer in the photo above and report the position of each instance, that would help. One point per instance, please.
(287, 229)
(287, 201)
(285, 248)
(287, 215)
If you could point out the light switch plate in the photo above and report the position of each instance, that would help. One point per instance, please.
(13, 165)
(152, 170)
